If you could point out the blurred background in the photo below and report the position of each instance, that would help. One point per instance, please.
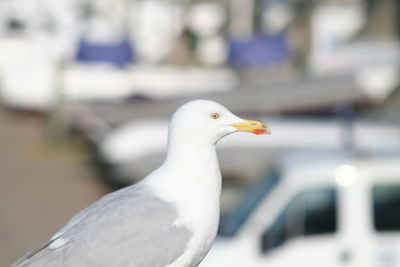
(87, 88)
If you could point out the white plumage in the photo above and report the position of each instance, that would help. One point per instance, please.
(170, 218)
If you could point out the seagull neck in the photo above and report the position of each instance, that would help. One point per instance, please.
(192, 153)
(193, 174)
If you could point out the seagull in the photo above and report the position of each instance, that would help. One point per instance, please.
(169, 218)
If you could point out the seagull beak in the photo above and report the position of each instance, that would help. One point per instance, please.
(255, 127)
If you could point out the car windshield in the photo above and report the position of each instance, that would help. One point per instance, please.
(231, 222)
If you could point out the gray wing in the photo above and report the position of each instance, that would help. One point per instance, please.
(129, 227)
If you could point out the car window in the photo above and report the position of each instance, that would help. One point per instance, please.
(311, 212)
(386, 204)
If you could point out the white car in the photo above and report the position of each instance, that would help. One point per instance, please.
(322, 213)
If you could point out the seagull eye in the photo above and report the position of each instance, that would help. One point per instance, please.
(215, 116)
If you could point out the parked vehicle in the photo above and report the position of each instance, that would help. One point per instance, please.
(338, 212)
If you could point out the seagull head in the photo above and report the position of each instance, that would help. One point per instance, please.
(205, 120)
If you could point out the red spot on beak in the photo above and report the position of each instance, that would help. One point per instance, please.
(259, 131)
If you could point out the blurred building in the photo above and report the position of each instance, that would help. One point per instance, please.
(95, 50)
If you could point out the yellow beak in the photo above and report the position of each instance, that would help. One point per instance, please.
(255, 127)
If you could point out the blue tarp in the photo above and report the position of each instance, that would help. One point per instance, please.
(118, 53)
(258, 51)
